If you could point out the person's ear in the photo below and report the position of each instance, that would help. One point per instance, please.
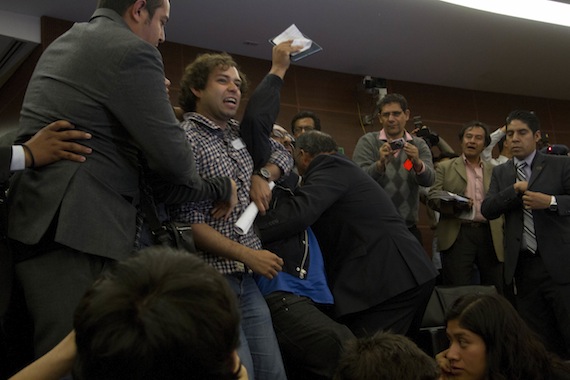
(136, 10)
(197, 93)
(306, 157)
(537, 136)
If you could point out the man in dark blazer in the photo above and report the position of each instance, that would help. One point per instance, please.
(379, 274)
(538, 262)
(69, 221)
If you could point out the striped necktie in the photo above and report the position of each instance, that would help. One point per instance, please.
(529, 236)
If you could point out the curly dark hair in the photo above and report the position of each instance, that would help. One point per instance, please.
(196, 77)
(393, 98)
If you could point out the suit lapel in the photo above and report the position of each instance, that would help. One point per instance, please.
(537, 166)
(487, 172)
(459, 167)
(510, 172)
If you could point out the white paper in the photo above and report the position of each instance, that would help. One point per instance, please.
(246, 219)
(457, 197)
(293, 33)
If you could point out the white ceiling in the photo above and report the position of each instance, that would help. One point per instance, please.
(425, 41)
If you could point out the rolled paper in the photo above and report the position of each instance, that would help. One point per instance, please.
(246, 219)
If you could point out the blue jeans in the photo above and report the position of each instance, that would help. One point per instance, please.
(258, 350)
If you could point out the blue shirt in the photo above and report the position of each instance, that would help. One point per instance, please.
(314, 286)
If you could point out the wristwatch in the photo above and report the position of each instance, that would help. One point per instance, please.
(553, 204)
(263, 173)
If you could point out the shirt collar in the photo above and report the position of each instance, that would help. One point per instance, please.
(528, 159)
(382, 136)
(480, 162)
(109, 13)
(202, 120)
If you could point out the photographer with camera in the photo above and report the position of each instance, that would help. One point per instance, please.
(398, 161)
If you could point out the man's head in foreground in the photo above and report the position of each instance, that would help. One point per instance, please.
(162, 314)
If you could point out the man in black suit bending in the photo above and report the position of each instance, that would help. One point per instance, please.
(379, 274)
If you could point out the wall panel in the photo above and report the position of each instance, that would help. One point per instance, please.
(338, 98)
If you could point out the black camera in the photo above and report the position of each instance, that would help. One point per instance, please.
(418, 123)
(431, 138)
(556, 149)
(397, 144)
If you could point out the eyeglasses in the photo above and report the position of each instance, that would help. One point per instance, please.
(289, 140)
(304, 128)
(280, 135)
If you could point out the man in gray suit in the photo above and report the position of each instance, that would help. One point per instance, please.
(532, 190)
(70, 221)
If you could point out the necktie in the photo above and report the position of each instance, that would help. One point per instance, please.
(529, 236)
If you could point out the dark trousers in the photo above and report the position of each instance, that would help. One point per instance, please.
(543, 304)
(401, 314)
(53, 283)
(473, 246)
(310, 341)
(16, 334)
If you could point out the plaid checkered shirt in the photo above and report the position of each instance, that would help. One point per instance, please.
(221, 152)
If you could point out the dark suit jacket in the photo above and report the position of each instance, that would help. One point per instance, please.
(5, 257)
(370, 256)
(451, 176)
(550, 175)
(107, 81)
(5, 161)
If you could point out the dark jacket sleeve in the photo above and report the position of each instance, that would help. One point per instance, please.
(501, 197)
(259, 117)
(167, 192)
(5, 161)
(322, 187)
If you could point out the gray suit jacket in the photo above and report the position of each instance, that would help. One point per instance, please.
(550, 175)
(107, 81)
(451, 176)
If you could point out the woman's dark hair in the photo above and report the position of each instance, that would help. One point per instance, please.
(513, 350)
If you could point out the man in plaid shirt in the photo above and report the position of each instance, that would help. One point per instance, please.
(211, 92)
